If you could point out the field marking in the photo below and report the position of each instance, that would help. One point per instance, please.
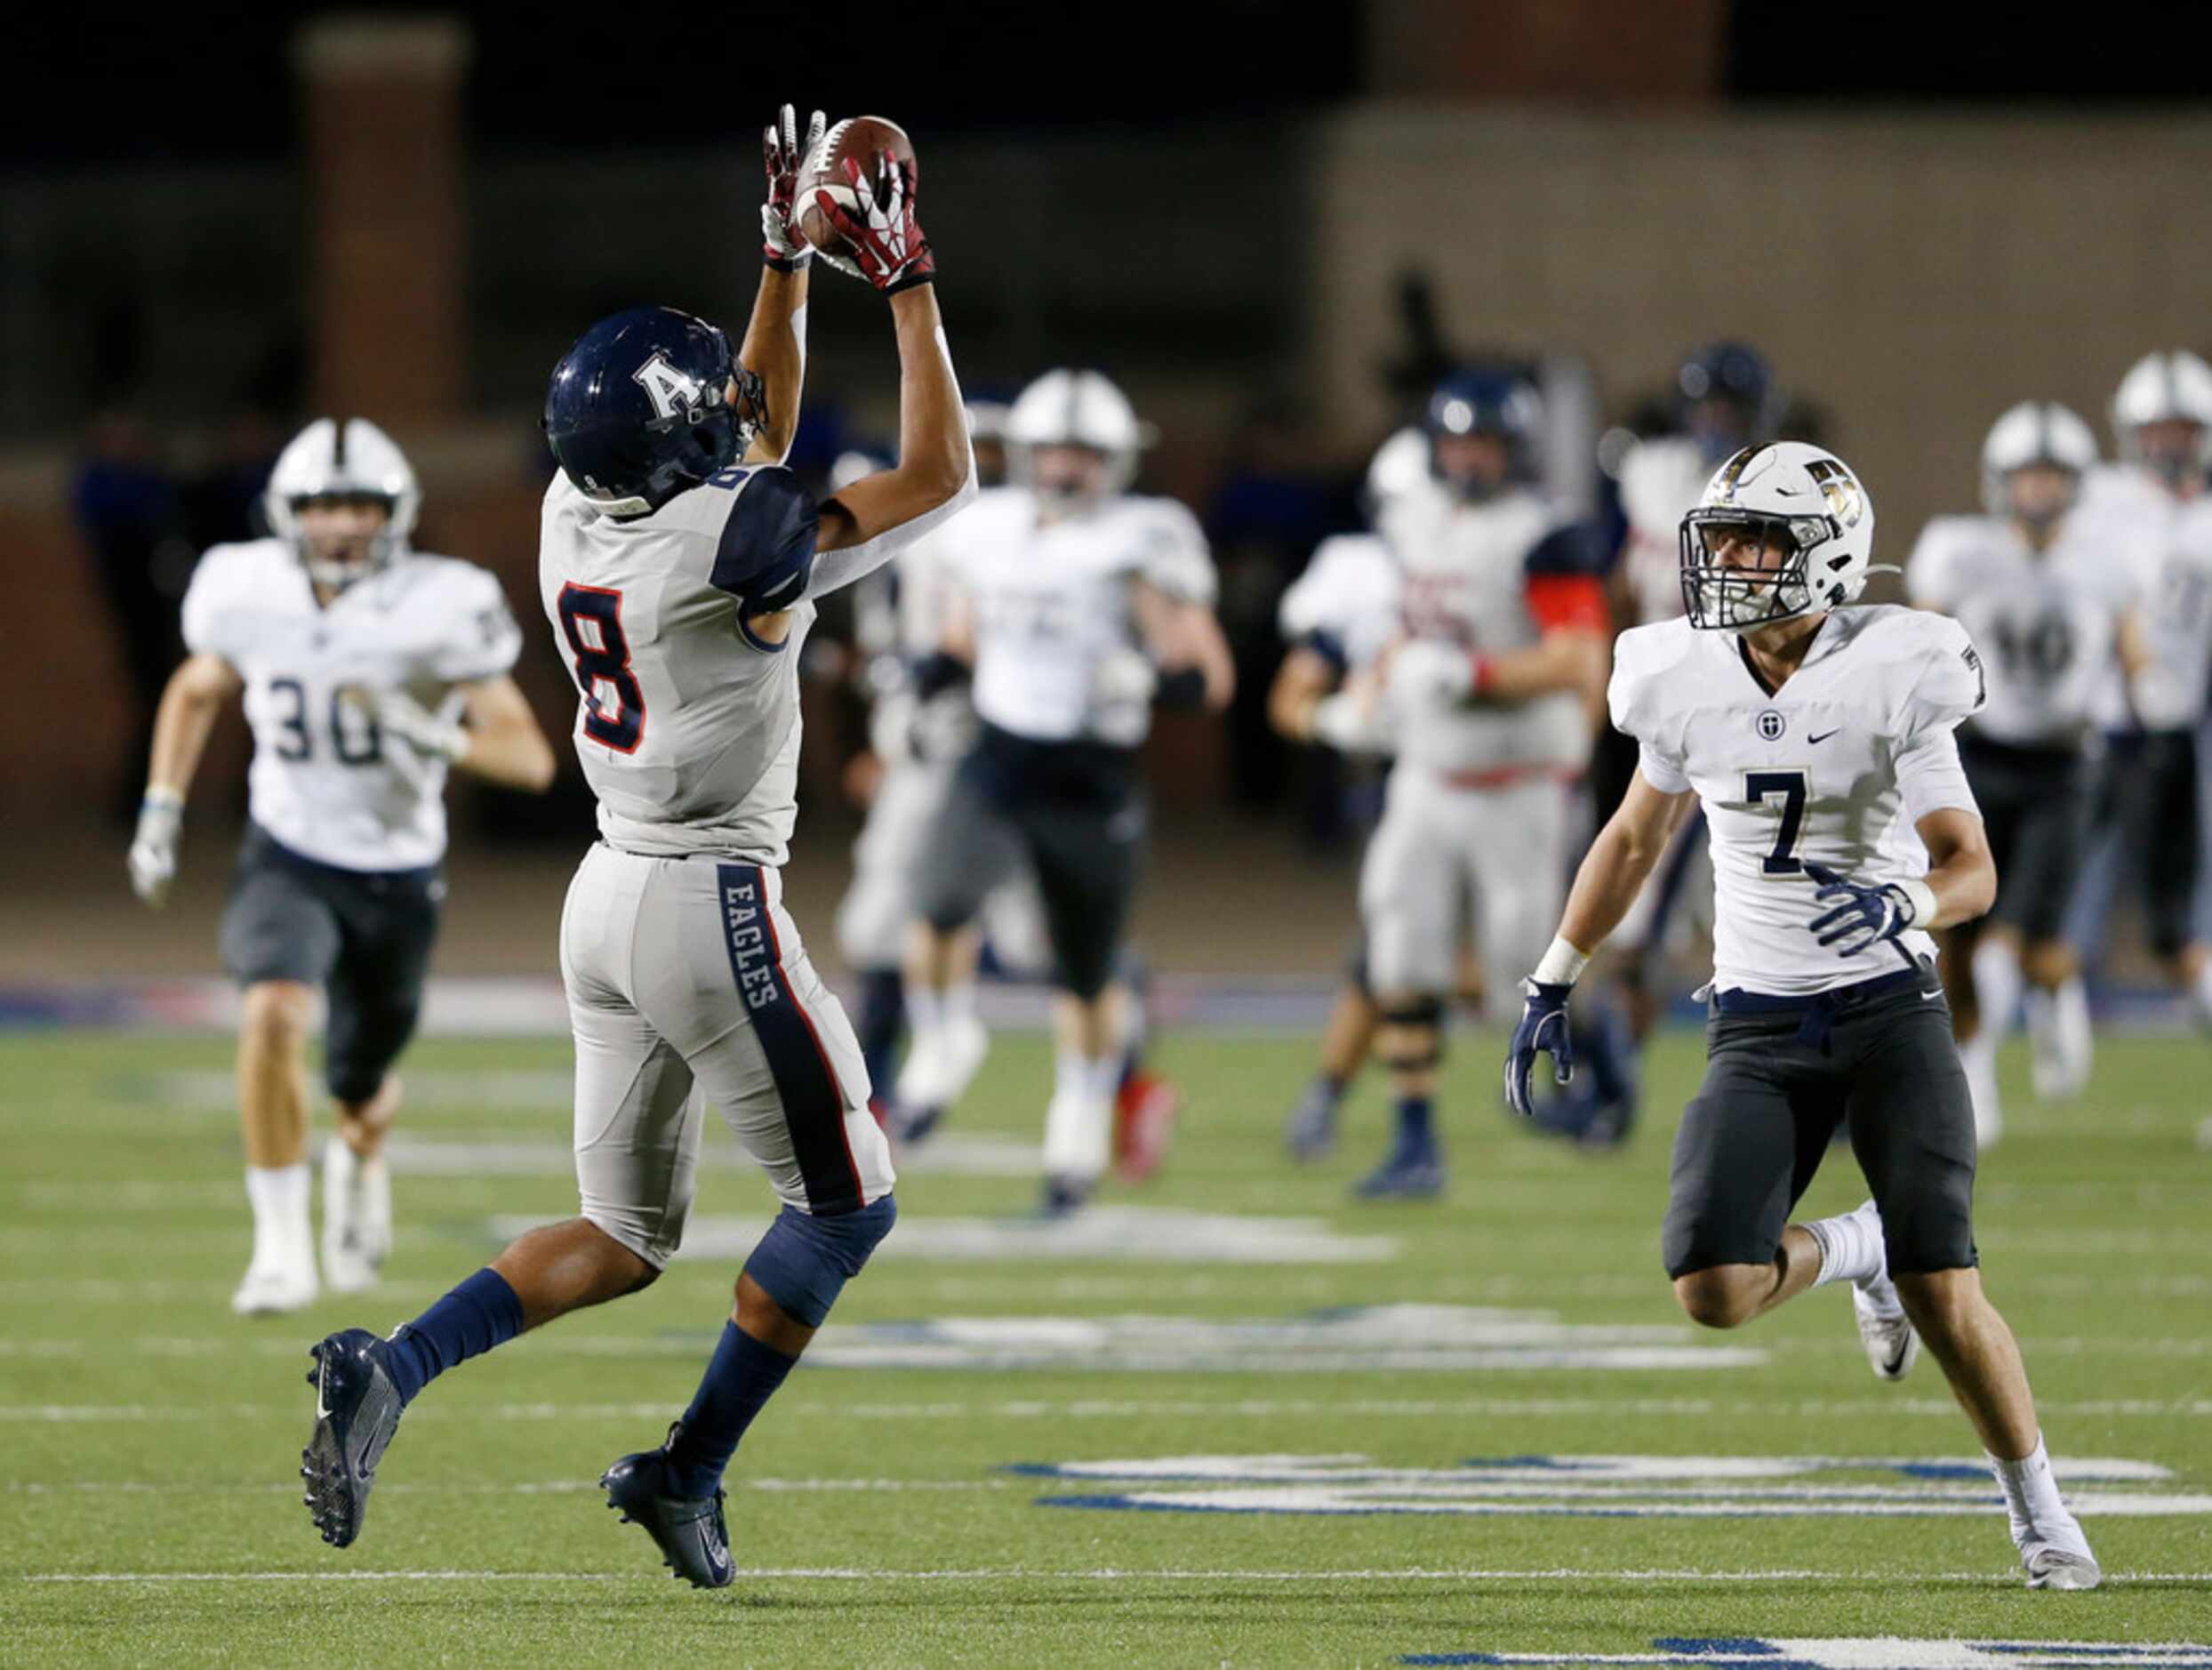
(543, 1487)
(1039, 1574)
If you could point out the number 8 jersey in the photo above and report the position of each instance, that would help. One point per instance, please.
(688, 723)
(1837, 766)
(324, 782)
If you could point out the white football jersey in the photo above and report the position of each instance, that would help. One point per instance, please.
(325, 781)
(1837, 767)
(687, 725)
(1345, 604)
(1465, 576)
(1661, 480)
(2045, 621)
(1053, 599)
(2167, 545)
(902, 615)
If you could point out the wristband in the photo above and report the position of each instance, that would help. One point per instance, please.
(162, 800)
(1185, 687)
(928, 274)
(1919, 899)
(1483, 671)
(786, 263)
(1562, 965)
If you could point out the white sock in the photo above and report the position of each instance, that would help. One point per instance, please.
(376, 1200)
(2033, 1505)
(279, 1198)
(2070, 1015)
(959, 1002)
(1078, 1123)
(925, 1009)
(1997, 982)
(1850, 1247)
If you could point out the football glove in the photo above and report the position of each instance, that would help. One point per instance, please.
(887, 247)
(153, 859)
(781, 154)
(1124, 676)
(1543, 1032)
(1424, 674)
(1862, 917)
(398, 714)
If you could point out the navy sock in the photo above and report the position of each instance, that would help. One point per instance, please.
(1413, 1113)
(742, 1375)
(481, 1312)
(882, 1019)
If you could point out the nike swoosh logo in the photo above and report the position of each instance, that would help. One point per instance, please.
(1821, 737)
(322, 1409)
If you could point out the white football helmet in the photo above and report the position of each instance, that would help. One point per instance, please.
(1802, 499)
(2165, 387)
(1076, 408)
(2033, 432)
(346, 458)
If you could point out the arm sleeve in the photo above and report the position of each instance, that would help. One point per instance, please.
(836, 569)
(766, 552)
(1930, 778)
(1563, 586)
(484, 641)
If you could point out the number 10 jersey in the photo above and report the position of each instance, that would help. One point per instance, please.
(1838, 766)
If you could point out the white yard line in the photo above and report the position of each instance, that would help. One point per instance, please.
(1038, 1574)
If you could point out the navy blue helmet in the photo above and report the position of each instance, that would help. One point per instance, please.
(1476, 400)
(639, 408)
(1734, 375)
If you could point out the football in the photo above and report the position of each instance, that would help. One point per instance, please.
(859, 138)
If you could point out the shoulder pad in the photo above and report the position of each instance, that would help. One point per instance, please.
(1641, 657)
(1920, 667)
(765, 549)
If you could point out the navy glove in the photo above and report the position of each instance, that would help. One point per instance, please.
(1542, 1031)
(1862, 917)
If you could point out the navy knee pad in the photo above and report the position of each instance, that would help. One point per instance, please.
(803, 1262)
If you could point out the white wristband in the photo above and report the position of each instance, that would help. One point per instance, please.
(1921, 899)
(1562, 965)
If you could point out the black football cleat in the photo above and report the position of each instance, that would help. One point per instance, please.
(357, 1411)
(692, 1536)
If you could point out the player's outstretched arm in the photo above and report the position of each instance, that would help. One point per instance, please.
(499, 742)
(880, 514)
(195, 696)
(1613, 872)
(775, 337)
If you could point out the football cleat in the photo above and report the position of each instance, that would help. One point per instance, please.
(1144, 1120)
(1063, 1197)
(1412, 1171)
(275, 1289)
(691, 1532)
(1892, 1344)
(2052, 1567)
(357, 1411)
(942, 1064)
(1309, 1133)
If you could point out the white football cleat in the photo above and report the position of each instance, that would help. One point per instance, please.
(2061, 1047)
(1892, 1344)
(356, 1218)
(275, 1289)
(2050, 1567)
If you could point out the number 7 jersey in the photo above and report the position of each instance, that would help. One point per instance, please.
(1837, 767)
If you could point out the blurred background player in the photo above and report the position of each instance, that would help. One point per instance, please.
(1087, 603)
(368, 667)
(2041, 591)
(1725, 399)
(2150, 825)
(1338, 617)
(679, 564)
(921, 722)
(1489, 693)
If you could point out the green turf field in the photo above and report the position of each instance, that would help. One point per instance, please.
(149, 1442)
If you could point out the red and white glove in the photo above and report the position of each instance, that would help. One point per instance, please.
(887, 248)
(785, 249)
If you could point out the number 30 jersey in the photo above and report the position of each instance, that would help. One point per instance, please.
(325, 781)
(688, 723)
(1837, 767)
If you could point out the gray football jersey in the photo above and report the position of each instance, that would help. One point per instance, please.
(687, 725)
